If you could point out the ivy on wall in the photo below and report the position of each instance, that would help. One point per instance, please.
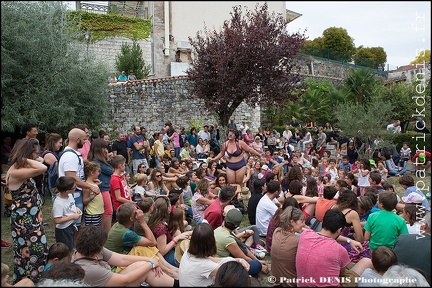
(102, 26)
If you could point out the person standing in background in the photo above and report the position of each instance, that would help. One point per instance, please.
(120, 147)
(139, 146)
(231, 124)
(84, 150)
(72, 164)
(30, 131)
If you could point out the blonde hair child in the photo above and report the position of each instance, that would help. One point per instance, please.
(25, 282)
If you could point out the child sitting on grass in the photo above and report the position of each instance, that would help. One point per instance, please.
(383, 227)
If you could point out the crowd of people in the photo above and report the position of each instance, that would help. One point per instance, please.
(169, 209)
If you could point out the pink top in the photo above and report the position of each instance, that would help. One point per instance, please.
(176, 140)
(85, 149)
(319, 260)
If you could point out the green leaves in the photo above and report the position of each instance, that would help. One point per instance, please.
(45, 78)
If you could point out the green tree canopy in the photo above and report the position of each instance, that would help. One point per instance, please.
(252, 59)
(46, 79)
(340, 43)
(423, 56)
(371, 57)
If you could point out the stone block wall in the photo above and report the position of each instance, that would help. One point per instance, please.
(150, 103)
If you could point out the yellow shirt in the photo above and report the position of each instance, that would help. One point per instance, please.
(96, 206)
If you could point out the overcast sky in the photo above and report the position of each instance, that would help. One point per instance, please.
(390, 25)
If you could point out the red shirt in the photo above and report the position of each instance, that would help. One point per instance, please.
(213, 214)
(118, 182)
(428, 155)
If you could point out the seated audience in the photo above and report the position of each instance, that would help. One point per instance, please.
(96, 260)
(382, 259)
(198, 265)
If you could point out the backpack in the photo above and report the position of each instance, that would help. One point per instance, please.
(52, 173)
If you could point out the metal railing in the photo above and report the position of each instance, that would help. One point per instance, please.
(346, 59)
(137, 9)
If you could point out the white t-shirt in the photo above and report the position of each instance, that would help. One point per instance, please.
(244, 128)
(64, 207)
(139, 190)
(69, 162)
(363, 181)
(204, 135)
(287, 134)
(265, 210)
(394, 129)
(415, 228)
(195, 272)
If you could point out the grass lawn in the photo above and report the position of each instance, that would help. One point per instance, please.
(7, 253)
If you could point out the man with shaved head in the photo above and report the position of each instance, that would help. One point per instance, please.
(72, 164)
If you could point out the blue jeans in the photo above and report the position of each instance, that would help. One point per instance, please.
(177, 152)
(79, 204)
(397, 172)
(255, 267)
(170, 257)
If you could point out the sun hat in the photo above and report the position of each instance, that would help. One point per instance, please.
(180, 248)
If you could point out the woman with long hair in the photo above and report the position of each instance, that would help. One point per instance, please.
(275, 221)
(53, 145)
(295, 190)
(201, 200)
(166, 242)
(348, 204)
(198, 265)
(285, 242)
(156, 184)
(233, 149)
(99, 154)
(28, 232)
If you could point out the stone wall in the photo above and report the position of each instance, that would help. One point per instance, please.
(150, 103)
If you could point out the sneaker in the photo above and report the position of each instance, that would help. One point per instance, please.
(260, 248)
(145, 284)
(258, 254)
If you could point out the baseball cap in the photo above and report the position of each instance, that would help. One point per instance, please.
(234, 216)
(413, 197)
(257, 138)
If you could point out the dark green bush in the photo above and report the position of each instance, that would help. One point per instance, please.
(413, 138)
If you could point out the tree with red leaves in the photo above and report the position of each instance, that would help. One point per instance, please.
(253, 59)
